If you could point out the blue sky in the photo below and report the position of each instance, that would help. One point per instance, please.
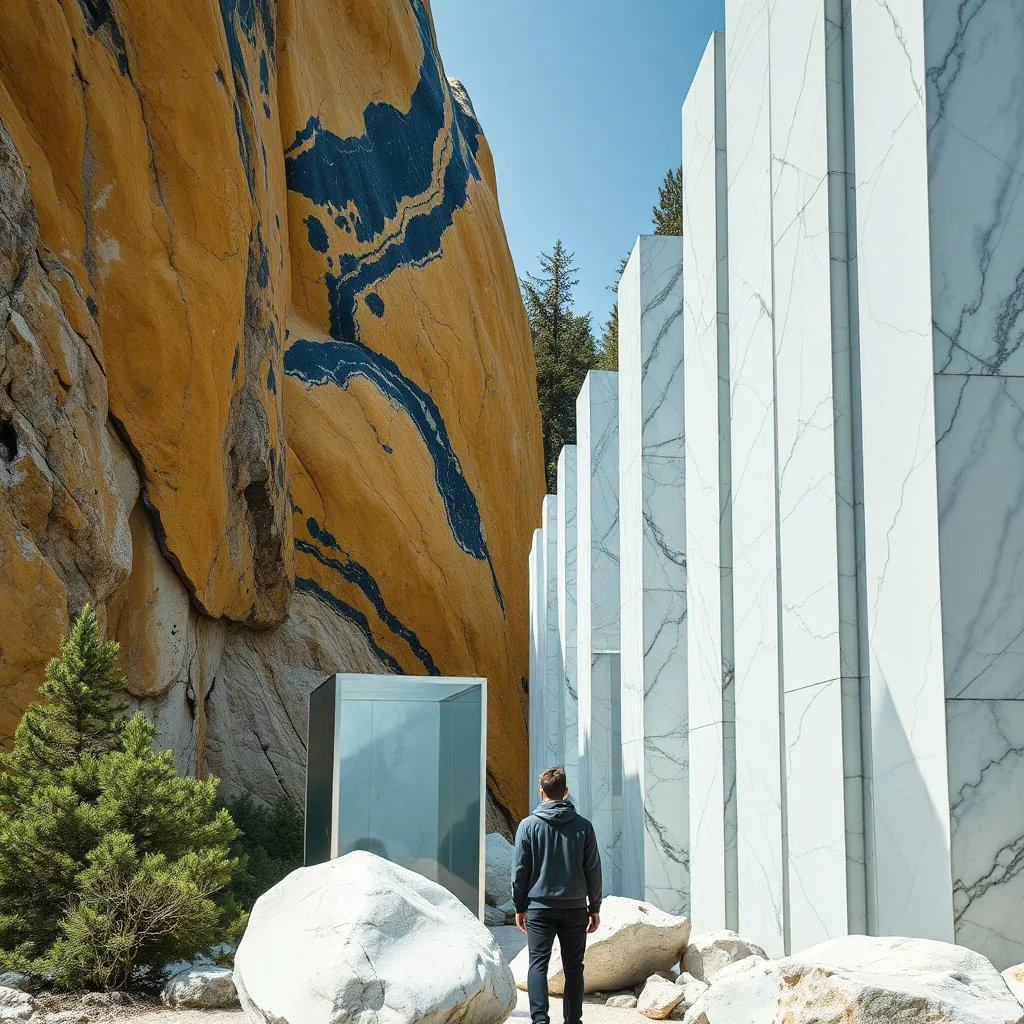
(580, 101)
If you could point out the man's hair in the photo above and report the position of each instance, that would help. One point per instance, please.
(552, 782)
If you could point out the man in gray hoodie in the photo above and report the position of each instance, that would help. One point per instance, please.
(556, 886)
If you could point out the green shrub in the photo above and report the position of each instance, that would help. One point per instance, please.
(269, 847)
(109, 860)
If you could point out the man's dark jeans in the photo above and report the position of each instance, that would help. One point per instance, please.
(570, 926)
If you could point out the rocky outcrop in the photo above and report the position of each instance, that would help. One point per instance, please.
(634, 940)
(862, 979)
(266, 383)
(498, 880)
(200, 986)
(371, 939)
(711, 952)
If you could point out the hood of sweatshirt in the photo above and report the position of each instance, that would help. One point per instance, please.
(558, 812)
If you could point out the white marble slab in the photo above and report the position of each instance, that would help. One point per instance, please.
(986, 787)
(708, 542)
(759, 772)
(554, 673)
(653, 573)
(598, 613)
(811, 350)
(816, 824)
(567, 610)
(980, 452)
(908, 821)
(538, 633)
(975, 118)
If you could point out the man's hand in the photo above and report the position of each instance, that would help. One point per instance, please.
(521, 921)
(595, 920)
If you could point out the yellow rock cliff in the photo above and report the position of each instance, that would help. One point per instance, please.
(266, 383)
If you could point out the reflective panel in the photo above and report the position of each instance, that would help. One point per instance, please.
(396, 766)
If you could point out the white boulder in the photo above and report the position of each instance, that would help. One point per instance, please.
(1014, 978)
(864, 979)
(634, 940)
(360, 938)
(203, 986)
(498, 878)
(15, 1004)
(709, 952)
(659, 998)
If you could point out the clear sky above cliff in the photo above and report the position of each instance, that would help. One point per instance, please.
(580, 101)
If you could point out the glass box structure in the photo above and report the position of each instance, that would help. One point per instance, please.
(397, 765)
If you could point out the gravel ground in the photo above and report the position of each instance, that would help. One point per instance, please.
(510, 939)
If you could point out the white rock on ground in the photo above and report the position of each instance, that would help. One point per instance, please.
(15, 1004)
(360, 938)
(498, 860)
(659, 998)
(634, 940)
(12, 979)
(864, 979)
(621, 1001)
(709, 952)
(1014, 978)
(692, 991)
(203, 986)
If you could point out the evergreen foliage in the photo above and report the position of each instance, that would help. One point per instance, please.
(108, 858)
(269, 847)
(667, 219)
(667, 214)
(563, 347)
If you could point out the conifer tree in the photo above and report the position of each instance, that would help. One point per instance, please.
(563, 348)
(108, 858)
(667, 214)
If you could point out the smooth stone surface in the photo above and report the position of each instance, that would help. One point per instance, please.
(499, 856)
(1014, 978)
(711, 952)
(204, 987)
(659, 998)
(633, 941)
(867, 980)
(362, 933)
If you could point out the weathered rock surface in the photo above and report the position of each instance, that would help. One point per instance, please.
(621, 1001)
(266, 383)
(634, 940)
(710, 952)
(15, 1004)
(1014, 978)
(368, 936)
(659, 998)
(205, 987)
(500, 855)
(862, 980)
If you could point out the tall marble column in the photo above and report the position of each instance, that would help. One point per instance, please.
(760, 782)
(816, 536)
(908, 823)
(567, 611)
(554, 676)
(974, 101)
(709, 651)
(538, 658)
(655, 821)
(597, 614)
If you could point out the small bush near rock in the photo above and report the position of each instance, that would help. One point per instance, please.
(109, 860)
(268, 847)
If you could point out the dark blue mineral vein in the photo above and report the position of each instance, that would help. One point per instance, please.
(311, 587)
(353, 572)
(368, 178)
